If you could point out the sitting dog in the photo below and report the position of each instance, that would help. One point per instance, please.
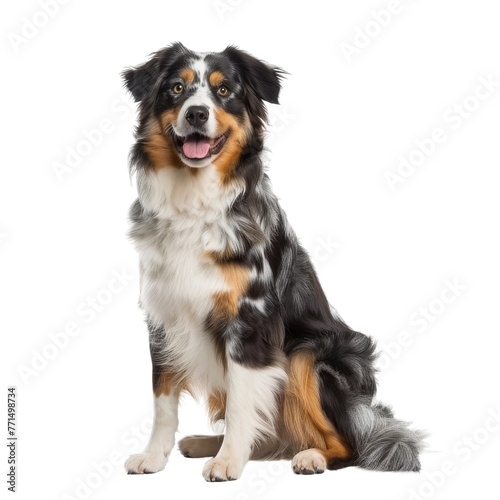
(235, 312)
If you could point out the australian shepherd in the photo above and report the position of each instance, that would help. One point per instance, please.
(235, 312)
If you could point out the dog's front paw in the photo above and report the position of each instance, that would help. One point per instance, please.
(222, 469)
(145, 463)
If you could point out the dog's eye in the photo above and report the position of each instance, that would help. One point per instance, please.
(178, 88)
(223, 91)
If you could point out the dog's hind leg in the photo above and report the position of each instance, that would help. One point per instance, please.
(346, 381)
(208, 446)
(200, 446)
(316, 442)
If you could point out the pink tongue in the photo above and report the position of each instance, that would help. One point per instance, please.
(196, 148)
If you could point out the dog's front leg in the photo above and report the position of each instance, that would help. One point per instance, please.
(250, 414)
(167, 385)
(162, 440)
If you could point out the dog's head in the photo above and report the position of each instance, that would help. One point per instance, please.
(198, 109)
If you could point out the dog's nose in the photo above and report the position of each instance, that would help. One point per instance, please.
(197, 115)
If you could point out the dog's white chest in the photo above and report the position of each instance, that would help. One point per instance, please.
(178, 277)
(178, 283)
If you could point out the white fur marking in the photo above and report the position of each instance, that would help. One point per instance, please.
(250, 416)
(309, 462)
(161, 442)
(202, 97)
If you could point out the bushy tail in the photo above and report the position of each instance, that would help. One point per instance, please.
(382, 442)
(346, 379)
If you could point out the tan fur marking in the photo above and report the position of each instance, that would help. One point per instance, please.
(217, 406)
(226, 303)
(160, 151)
(168, 118)
(159, 147)
(187, 74)
(162, 383)
(307, 425)
(228, 157)
(216, 78)
(236, 278)
(165, 380)
(220, 257)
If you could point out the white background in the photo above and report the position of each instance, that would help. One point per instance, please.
(381, 254)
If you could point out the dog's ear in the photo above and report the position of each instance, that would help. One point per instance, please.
(141, 81)
(263, 79)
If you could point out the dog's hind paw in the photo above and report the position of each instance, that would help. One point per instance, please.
(309, 462)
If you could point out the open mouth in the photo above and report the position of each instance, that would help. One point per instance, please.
(198, 146)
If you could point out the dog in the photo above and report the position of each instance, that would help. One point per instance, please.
(235, 312)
